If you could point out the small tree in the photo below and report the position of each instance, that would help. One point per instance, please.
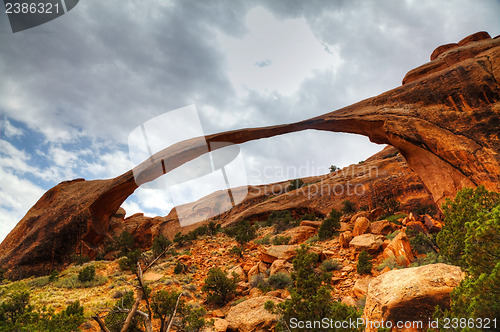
(330, 225)
(116, 318)
(163, 304)
(160, 244)
(213, 228)
(295, 184)
(130, 262)
(364, 265)
(87, 273)
(219, 288)
(310, 295)
(54, 276)
(124, 243)
(333, 168)
(348, 207)
(469, 239)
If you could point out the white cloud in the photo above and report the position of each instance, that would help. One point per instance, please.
(275, 55)
(17, 195)
(9, 130)
(108, 165)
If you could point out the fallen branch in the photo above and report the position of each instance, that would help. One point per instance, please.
(173, 315)
(101, 323)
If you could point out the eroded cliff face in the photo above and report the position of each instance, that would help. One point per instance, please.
(444, 120)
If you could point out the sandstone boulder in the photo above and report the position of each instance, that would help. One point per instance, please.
(399, 249)
(381, 227)
(368, 242)
(299, 234)
(375, 213)
(361, 286)
(250, 315)
(359, 214)
(345, 238)
(272, 253)
(281, 265)
(350, 301)
(311, 223)
(220, 325)
(410, 294)
(417, 226)
(253, 272)
(361, 226)
(345, 226)
(432, 225)
(238, 271)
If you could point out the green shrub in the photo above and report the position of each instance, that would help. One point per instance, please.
(429, 209)
(192, 319)
(80, 259)
(72, 281)
(54, 276)
(87, 273)
(390, 155)
(160, 244)
(295, 184)
(281, 221)
(430, 258)
(420, 242)
(214, 228)
(237, 251)
(180, 239)
(310, 295)
(179, 268)
(392, 263)
(280, 280)
(17, 314)
(333, 168)
(309, 216)
(124, 243)
(245, 232)
(395, 217)
(364, 265)
(101, 255)
(261, 282)
(392, 235)
(264, 241)
(163, 305)
(130, 261)
(39, 282)
(469, 239)
(330, 225)
(348, 207)
(312, 239)
(331, 265)
(279, 240)
(219, 288)
(114, 320)
(390, 205)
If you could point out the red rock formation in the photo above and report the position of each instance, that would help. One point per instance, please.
(444, 120)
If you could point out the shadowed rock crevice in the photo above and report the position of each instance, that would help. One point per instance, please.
(444, 120)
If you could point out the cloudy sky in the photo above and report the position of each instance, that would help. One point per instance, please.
(72, 91)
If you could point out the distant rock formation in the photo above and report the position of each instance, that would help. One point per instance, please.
(444, 120)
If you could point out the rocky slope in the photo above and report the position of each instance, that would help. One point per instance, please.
(444, 120)
(419, 288)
